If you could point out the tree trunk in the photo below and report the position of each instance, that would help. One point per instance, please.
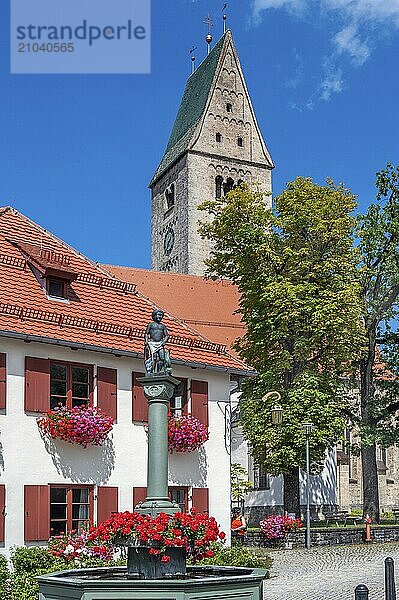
(371, 501)
(291, 492)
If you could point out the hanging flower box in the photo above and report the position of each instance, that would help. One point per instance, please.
(83, 425)
(186, 434)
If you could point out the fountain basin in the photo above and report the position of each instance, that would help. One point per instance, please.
(114, 583)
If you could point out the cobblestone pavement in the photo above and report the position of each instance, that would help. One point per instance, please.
(329, 573)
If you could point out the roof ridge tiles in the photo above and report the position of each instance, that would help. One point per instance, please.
(221, 280)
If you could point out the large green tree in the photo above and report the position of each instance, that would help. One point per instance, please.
(378, 235)
(295, 269)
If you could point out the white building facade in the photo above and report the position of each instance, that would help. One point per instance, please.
(48, 486)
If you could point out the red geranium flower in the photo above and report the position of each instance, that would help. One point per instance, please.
(82, 425)
(193, 531)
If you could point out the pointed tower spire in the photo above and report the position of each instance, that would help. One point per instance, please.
(215, 144)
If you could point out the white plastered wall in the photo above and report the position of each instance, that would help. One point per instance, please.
(27, 459)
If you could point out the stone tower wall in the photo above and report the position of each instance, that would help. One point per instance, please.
(175, 218)
(202, 172)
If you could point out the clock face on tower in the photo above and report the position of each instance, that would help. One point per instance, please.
(168, 241)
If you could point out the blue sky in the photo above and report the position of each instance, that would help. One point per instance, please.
(77, 151)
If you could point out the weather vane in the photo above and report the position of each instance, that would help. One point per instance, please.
(224, 18)
(209, 23)
(192, 50)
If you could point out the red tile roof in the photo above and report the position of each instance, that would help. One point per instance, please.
(102, 311)
(211, 307)
(217, 302)
(380, 369)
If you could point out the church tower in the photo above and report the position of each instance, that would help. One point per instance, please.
(215, 144)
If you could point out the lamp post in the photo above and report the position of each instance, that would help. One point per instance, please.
(307, 427)
(277, 411)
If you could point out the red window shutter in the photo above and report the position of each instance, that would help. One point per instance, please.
(106, 391)
(107, 502)
(199, 400)
(2, 510)
(140, 402)
(37, 384)
(139, 495)
(3, 379)
(200, 498)
(37, 513)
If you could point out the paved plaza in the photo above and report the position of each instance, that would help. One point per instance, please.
(329, 573)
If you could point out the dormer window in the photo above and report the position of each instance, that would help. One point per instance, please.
(52, 269)
(57, 288)
(218, 137)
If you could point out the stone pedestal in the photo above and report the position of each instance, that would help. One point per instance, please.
(145, 566)
(158, 390)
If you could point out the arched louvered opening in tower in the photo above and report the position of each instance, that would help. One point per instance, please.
(219, 185)
(170, 196)
(228, 186)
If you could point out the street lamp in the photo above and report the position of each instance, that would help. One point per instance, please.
(277, 419)
(277, 411)
(308, 428)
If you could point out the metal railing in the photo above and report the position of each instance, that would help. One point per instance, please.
(362, 591)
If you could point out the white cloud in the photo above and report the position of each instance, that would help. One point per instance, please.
(356, 10)
(348, 40)
(355, 26)
(354, 18)
(332, 84)
(294, 81)
(293, 6)
(365, 10)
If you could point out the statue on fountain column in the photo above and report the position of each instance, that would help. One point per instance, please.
(156, 356)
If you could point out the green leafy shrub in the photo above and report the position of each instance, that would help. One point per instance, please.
(4, 577)
(238, 556)
(387, 515)
(21, 587)
(4, 572)
(35, 559)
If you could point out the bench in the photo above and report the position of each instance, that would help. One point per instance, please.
(342, 516)
(337, 517)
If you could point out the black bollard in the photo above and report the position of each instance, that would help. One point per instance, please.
(362, 592)
(390, 590)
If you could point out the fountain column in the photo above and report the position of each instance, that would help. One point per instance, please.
(158, 390)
